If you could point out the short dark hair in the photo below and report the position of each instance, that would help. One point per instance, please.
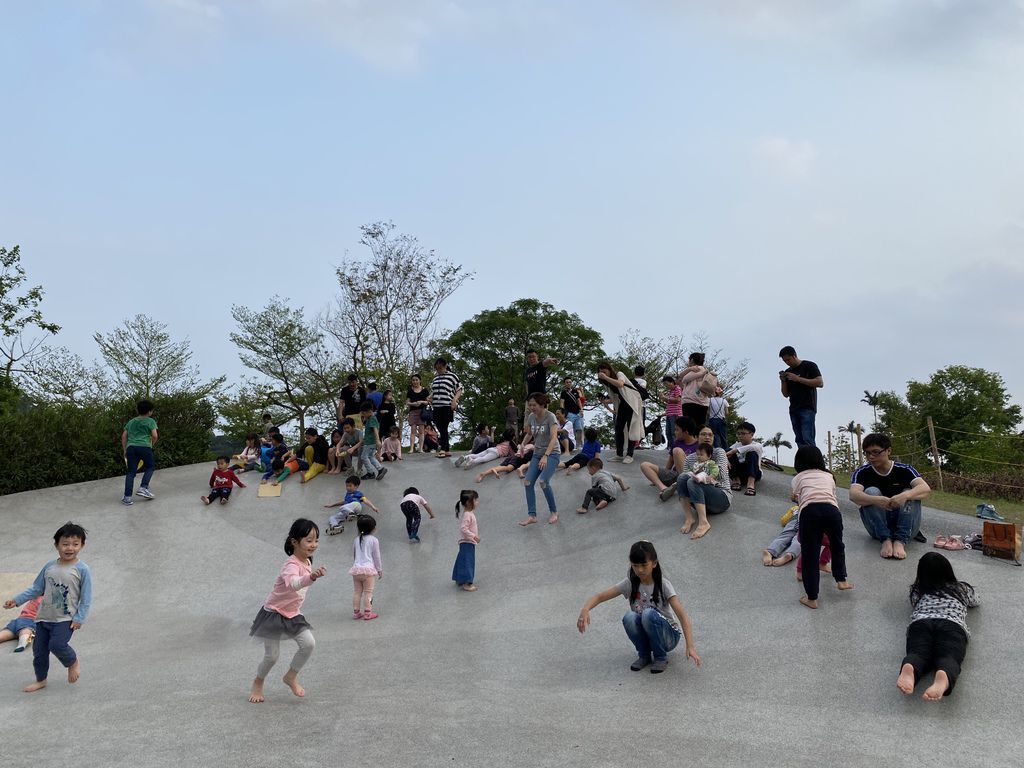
(809, 457)
(878, 440)
(353, 377)
(440, 361)
(311, 431)
(531, 351)
(708, 449)
(697, 357)
(787, 351)
(366, 407)
(274, 431)
(590, 434)
(277, 437)
(746, 426)
(411, 489)
(667, 380)
(348, 421)
(352, 480)
(225, 459)
(267, 417)
(372, 386)
(144, 407)
(687, 424)
(71, 531)
(638, 370)
(595, 463)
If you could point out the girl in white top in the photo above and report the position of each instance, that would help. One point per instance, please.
(366, 568)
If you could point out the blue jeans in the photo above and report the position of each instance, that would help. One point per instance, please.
(802, 420)
(52, 637)
(650, 633)
(898, 524)
(134, 454)
(532, 473)
(718, 426)
(367, 454)
(576, 419)
(670, 431)
(714, 499)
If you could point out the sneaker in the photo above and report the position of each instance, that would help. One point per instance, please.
(628, 460)
(658, 665)
(459, 461)
(369, 616)
(127, 501)
(357, 614)
(668, 493)
(414, 538)
(639, 663)
(334, 530)
(383, 471)
(368, 476)
(988, 512)
(20, 648)
(145, 493)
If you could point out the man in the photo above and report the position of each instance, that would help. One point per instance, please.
(572, 405)
(800, 383)
(537, 372)
(889, 495)
(351, 400)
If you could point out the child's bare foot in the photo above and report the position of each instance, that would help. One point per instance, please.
(75, 671)
(302, 477)
(886, 550)
(799, 576)
(223, 500)
(581, 510)
(701, 531)
(256, 692)
(291, 680)
(528, 521)
(264, 482)
(935, 691)
(687, 526)
(601, 504)
(826, 568)
(766, 558)
(785, 559)
(808, 602)
(205, 500)
(625, 487)
(905, 682)
(843, 585)
(899, 551)
(480, 478)
(38, 685)
(552, 518)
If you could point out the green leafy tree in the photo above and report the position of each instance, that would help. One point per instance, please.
(488, 353)
(19, 314)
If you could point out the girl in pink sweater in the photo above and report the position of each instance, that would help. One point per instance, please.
(465, 564)
(281, 613)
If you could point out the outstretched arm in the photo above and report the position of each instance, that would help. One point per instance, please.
(601, 597)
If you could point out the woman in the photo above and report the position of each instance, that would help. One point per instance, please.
(445, 391)
(416, 399)
(707, 498)
(542, 433)
(695, 402)
(387, 414)
(627, 406)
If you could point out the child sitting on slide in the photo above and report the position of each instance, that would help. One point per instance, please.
(221, 481)
(249, 458)
(785, 548)
(591, 448)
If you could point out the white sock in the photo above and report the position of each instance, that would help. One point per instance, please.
(23, 641)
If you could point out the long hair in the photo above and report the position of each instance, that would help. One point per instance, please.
(935, 577)
(509, 436)
(809, 457)
(644, 552)
(300, 529)
(365, 524)
(467, 499)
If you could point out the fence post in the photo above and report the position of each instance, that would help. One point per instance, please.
(860, 450)
(935, 451)
(830, 450)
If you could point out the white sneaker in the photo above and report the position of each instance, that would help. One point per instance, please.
(145, 493)
(127, 501)
(628, 460)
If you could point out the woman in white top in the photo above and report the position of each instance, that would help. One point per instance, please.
(626, 405)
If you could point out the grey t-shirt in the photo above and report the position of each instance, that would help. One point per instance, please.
(645, 600)
(604, 480)
(542, 431)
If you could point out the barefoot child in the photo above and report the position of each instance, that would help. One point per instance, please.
(464, 571)
(65, 584)
(220, 482)
(505, 447)
(591, 448)
(648, 622)
(705, 470)
(814, 491)
(517, 462)
(785, 548)
(23, 628)
(410, 506)
(281, 613)
(366, 568)
(937, 635)
(604, 487)
(351, 506)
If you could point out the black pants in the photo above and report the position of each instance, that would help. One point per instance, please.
(741, 469)
(579, 460)
(443, 415)
(935, 644)
(623, 415)
(595, 495)
(699, 413)
(411, 510)
(815, 520)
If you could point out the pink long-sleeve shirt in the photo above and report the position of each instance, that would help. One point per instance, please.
(290, 588)
(467, 527)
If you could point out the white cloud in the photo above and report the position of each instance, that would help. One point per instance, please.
(790, 158)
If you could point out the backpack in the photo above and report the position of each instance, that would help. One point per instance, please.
(644, 394)
(708, 384)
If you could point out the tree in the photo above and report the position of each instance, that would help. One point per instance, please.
(777, 442)
(487, 352)
(19, 311)
(383, 320)
(145, 362)
(58, 375)
(871, 398)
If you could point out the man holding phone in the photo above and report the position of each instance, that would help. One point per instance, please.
(800, 382)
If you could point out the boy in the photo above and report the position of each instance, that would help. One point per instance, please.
(351, 439)
(275, 456)
(65, 585)
(137, 440)
(221, 481)
(591, 447)
(374, 396)
(566, 433)
(368, 447)
(351, 506)
(268, 428)
(705, 470)
(603, 488)
(24, 627)
(745, 459)
(315, 453)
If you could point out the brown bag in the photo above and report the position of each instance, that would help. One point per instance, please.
(1002, 540)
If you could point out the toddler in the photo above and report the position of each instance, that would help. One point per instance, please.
(604, 487)
(366, 568)
(410, 506)
(351, 506)
(392, 447)
(22, 628)
(221, 481)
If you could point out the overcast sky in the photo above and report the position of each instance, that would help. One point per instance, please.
(846, 177)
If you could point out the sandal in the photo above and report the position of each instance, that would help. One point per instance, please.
(954, 543)
(750, 492)
(940, 541)
(734, 486)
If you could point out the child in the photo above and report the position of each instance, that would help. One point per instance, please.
(430, 437)
(285, 467)
(511, 415)
(786, 547)
(464, 572)
(516, 462)
(937, 635)
(482, 441)
(591, 448)
(368, 449)
(351, 506)
(221, 481)
(351, 441)
(137, 440)
(315, 455)
(705, 470)
(269, 428)
(22, 628)
(65, 584)
(410, 506)
(281, 613)
(745, 459)
(503, 449)
(387, 413)
(392, 448)
(673, 407)
(648, 622)
(566, 434)
(603, 488)
(814, 490)
(334, 457)
(274, 455)
(366, 568)
(249, 458)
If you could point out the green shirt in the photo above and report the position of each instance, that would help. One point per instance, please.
(140, 431)
(371, 428)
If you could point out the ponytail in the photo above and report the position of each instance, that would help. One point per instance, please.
(468, 500)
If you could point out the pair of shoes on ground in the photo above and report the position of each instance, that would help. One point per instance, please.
(949, 542)
(334, 530)
(364, 615)
(657, 665)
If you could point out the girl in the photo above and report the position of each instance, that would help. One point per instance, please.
(430, 438)
(465, 564)
(542, 431)
(625, 403)
(705, 470)
(386, 414)
(510, 464)
(410, 506)
(814, 490)
(391, 450)
(334, 459)
(249, 458)
(482, 441)
(649, 624)
(280, 614)
(937, 635)
(366, 568)
(416, 400)
(505, 447)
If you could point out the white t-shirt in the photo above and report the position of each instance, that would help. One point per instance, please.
(743, 450)
(414, 497)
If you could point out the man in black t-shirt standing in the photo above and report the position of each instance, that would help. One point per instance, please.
(537, 372)
(800, 383)
(889, 495)
(352, 397)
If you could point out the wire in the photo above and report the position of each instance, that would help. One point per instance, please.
(947, 477)
(987, 461)
(977, 434)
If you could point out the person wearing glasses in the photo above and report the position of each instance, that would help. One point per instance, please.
(889, 495)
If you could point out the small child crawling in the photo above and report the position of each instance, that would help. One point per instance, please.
(604, 487)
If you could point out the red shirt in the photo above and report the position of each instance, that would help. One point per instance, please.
(223, 478)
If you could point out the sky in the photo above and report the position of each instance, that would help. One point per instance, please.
(846, 177)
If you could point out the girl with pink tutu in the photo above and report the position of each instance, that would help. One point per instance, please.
(366, 568)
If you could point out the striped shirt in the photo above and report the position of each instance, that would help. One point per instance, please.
(718, 456)
(443, 389)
